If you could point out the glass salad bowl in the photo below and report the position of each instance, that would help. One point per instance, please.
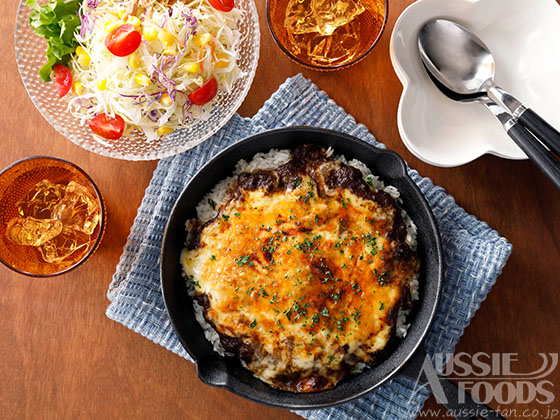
(30, 55)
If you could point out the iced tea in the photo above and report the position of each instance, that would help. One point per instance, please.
(327, 33)
(51, 216)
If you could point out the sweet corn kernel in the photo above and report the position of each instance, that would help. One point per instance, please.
(203, 39)
(77, 88)
(84, 60)
(163, 130)
(190, 67)
(166, 37)
(222, 61)
(165, 99)
(102, 84)
(170, 50)
(142, 79)
(110, 25)
(133, 20)
(151, 34)
(120, 13)
(133, 61)
(80, 50)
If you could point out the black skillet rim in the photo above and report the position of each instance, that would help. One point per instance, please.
(227, 372)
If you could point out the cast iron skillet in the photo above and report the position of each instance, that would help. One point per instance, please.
(227, 372)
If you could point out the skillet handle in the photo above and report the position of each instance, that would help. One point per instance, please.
(212, 371)
(460, 404)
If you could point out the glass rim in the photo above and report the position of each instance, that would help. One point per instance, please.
(101, 219)
(326, 68)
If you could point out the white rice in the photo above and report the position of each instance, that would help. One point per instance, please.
(206, 210)
(209, 332)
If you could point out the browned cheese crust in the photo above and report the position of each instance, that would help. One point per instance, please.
(303, 271)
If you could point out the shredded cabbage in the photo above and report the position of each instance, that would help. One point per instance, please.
(203, 45)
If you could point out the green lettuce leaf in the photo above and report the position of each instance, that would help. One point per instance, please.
(57, 22)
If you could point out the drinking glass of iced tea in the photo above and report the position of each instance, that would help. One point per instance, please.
(52, 216)
(326, 34)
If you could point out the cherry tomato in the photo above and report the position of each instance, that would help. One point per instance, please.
(223, 5)
(123, 40)
(205, 93)
(63, 79)
(107, 127)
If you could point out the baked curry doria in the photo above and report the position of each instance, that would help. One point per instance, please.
(305, 270)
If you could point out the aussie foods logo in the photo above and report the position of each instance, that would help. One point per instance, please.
(494, 379)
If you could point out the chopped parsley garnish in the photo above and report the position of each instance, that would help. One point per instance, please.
(381, 278)
(336, 296)
(324, 312)
(253, 324)
(225, 217)
(356, 316)
(315, 319)
(306, 245)
(339, 325)
(212, 203)
(244, 259)
(381, 306)
(212, 258)
(371, 241)
(288, 314)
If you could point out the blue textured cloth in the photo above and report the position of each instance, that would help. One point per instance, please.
(474, 254)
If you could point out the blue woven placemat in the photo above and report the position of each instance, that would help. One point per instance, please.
(474, 254)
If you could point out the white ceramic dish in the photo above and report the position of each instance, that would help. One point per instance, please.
(524, 37)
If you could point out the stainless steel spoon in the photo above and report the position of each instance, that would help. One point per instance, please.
(548, 165)
(462, 62)
(459, 82)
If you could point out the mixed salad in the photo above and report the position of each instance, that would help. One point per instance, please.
(152, 65)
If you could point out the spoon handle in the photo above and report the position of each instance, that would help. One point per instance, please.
(545, 161)
(541, 129)
(548, 165)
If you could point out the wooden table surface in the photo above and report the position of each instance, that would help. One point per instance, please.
(61, 358)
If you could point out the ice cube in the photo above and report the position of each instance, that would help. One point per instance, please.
(31, 231)
(40, 201)
(78, 209)
(69, 242)
(300, 18)
(332, 14)
(339, 47)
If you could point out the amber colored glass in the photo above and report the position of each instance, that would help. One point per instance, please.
(15, 182)
(371, 25)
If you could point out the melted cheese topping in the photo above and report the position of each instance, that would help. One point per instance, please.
(309, 283)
